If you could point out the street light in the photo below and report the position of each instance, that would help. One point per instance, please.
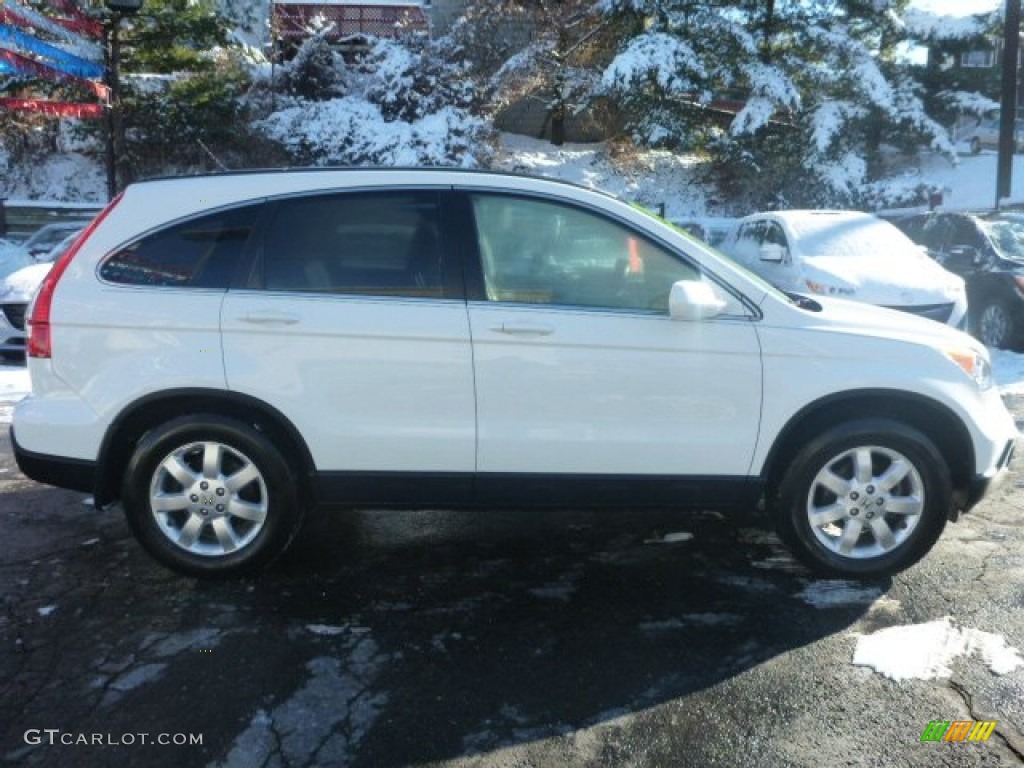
(112, 58)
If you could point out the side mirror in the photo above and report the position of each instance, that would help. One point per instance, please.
(693, 300)
(772, 252)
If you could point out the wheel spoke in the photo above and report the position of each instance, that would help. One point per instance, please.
(883, 533)
(242, 478)
(225, 535)
(190, 531)
(904, 505)
(169, 502)
(177, 469)
(824, 515)
(862, 466)
(894, 475)
(851, 532)
(255, 513)
(838, 485)
(211, 460)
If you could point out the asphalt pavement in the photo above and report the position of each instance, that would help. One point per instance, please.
(552, 638)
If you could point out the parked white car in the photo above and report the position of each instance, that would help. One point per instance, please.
(847, 255)
(223, 353)
(17, 290)
(13, 257)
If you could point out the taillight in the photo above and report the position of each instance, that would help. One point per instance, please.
(38, 344)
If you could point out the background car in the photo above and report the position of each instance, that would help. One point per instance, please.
(16, 291)
(711, 229)
(986, 135)
(987, 249)
(847, 255)
(44, 239)
(13, 257)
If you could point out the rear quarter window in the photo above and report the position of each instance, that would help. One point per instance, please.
(198, 253)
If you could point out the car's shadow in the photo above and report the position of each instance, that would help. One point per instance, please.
(503, 627)
(400, 638)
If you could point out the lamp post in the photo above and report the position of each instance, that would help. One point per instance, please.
(118, 9)
(1008, 102)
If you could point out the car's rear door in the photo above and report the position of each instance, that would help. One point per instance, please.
(586, 390)
(353, 325)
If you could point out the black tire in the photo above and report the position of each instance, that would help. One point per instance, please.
(975, 146)
(880, 442)
(240, 520)
(995, 324)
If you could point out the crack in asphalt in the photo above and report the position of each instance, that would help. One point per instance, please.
(1013, 742)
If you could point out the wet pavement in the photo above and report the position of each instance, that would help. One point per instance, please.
(554, 638)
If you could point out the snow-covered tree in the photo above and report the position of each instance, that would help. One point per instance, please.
(406, 103)
(815, 84)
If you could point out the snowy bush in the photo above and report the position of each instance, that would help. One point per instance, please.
(407, 104)
(315, 72)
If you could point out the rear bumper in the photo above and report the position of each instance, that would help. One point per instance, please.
(63, 472)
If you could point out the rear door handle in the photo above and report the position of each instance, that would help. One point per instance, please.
(524, 329)
(270, 317)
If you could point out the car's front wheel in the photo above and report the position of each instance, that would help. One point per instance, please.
(975, 146)
(995, 325)
(210, 496)
(866, 498)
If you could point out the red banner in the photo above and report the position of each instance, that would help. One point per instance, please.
(54, 108)
(76, 33)
(86, 25)
(27, 66)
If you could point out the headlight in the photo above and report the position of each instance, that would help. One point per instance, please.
(974, 364)
(828, 290)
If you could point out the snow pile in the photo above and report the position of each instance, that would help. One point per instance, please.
(1008, 371)
(925, 651)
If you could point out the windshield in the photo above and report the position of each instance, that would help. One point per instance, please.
(1007, 235)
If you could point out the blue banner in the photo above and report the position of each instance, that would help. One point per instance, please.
(59, 58)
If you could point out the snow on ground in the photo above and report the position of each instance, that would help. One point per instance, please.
(14, 385)
(827, 593)
(971, 184)
(651, 178)
(925, 651)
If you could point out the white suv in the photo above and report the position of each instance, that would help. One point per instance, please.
(223, 353)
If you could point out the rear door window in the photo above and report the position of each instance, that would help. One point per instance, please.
(363, 243)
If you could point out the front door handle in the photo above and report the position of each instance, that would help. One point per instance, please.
(270, 317)
(524, 329)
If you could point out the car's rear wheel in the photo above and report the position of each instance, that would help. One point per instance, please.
(975, 146)
(995, 324)
(210, 496)
(866, 498)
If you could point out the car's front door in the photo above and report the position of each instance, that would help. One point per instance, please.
(582, 377)
(354, 327)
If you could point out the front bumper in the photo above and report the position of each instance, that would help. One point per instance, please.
(61, 471)
(982, 485)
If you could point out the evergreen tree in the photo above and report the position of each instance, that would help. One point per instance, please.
(818, 86)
